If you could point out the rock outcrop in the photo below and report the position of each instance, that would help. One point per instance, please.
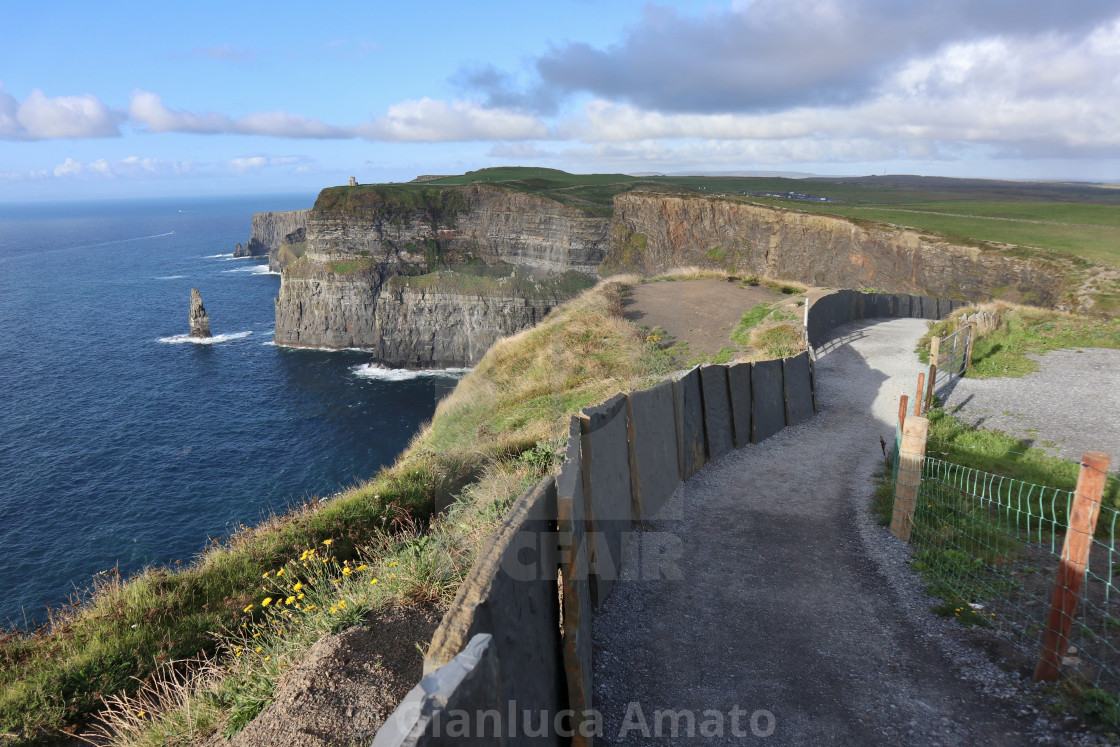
(405, 322)
(279, 235)
(375, 273)
(654, 232)
(425, 226)
(199, 319)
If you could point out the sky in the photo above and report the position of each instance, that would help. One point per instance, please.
(127, 99)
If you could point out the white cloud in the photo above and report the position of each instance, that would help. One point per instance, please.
(42, 117)
(433, 121)
(424, 120)
(1044, 94)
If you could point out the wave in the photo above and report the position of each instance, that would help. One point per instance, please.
(255, 270)
(122, 241)
(374, 371)
(231, 258)
(170, 277)
(175, 339)
(218, 256)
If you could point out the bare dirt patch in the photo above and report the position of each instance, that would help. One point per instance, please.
(701, 312)
(347, 685)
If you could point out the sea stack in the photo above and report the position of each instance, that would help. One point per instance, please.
(200, 320)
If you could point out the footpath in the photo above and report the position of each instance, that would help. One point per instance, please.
(795, 619)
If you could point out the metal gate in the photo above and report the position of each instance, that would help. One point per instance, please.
(950, 355)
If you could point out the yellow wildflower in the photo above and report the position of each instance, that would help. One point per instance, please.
(248, 608)
(373, 581)
(267, 601)
(346, 571)
(327, 542)
(265, 574)
(298, 586)
(362, 567)
(289, 600)
(280, 573)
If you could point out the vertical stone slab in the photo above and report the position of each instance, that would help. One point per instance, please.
(607, 494)
(768, 400)
(577, 612)
(900, 305)
(944, 307)
(654, 469)
(470, 683)
(817, 325)
(511, 594)
(718, 428)
(878, 306)
(739, 381)
(929, 307)
(691, 446)
(798, 389)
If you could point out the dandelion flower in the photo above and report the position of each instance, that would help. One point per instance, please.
(298, 586)
(373, 581)
(362, 567)
(289, 600)
(267, 601)
(327, 542)
(265, 574)
(346, 571)
(280, 573)
(249, 607)
(299, 596)
(258, 649)
(393, 564)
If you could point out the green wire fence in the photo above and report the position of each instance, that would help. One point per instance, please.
(990, 548)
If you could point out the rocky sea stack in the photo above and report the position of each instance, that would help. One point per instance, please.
(200, 320)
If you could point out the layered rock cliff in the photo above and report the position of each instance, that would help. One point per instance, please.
(430, 321)
(653, 232)
(427, 225)
(279, 235)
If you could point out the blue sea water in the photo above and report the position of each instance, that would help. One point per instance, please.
(123, 444)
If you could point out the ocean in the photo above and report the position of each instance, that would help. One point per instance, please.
(122, 443)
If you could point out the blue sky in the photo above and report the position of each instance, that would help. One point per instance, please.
(129, 99)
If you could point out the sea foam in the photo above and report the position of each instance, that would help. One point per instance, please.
(374, 371)
(175, 339)
(255, 270)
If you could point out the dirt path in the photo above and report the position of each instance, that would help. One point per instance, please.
(701, 312)
(791, 601)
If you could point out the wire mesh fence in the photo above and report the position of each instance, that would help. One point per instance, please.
(994, 551)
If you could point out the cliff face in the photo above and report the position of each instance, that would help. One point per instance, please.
(652, 233)
(475, 221)
(403, 326)
(271, 232)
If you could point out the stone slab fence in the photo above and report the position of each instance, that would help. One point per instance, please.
(511, 662)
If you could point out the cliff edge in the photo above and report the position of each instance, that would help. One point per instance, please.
(281, 236)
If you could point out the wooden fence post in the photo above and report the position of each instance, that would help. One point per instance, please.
(921, 394)
(910, 455)
(934, 350)
(902, 403)
(929, 385)
(1071, 571)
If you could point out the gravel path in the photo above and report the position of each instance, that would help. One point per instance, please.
(793, 606)
(1069, 406)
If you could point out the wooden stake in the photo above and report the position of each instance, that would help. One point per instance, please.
(935, 350)
(902, 402)
(920, 395)
(1071, 571)
(929, 385)
(910, 455)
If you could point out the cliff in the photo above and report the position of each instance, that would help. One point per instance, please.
(274, 233)
(424, 226)
(653, 232)
(439, 320)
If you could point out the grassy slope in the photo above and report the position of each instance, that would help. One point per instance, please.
(1014, 332)
(515, 402)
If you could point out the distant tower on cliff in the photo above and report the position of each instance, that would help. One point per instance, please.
(353, 182)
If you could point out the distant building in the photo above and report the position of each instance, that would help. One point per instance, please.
(353, 182)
